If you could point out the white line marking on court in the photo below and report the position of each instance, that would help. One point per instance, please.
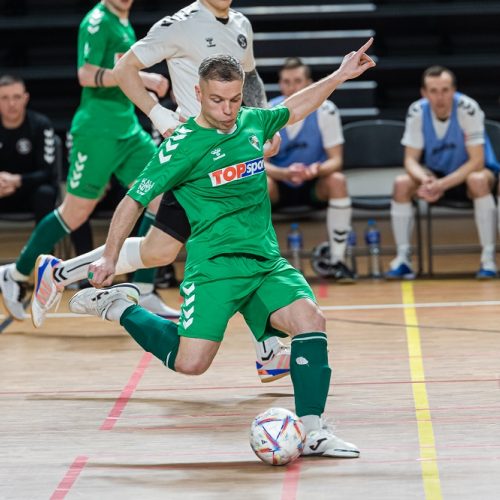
(355, 307)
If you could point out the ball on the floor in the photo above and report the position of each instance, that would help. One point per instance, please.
(277, 436)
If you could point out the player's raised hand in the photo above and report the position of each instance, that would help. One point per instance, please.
(357, 62)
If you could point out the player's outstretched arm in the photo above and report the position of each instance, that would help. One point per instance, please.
(102, 271)
(309, 99)
(127, 73)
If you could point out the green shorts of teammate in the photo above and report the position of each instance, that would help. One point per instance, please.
(93, 160)
(243, 283)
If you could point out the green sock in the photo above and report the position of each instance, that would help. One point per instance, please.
(46, 234)
(145, 275)
(154, 334)
(310, 373)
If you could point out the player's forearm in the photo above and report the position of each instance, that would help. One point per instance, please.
(460, 175)
(309, 99)
(276, 173)
(415, 170)
(95, 76)
(128, 78)
(329, 166)
(254, 93)
(126, 215)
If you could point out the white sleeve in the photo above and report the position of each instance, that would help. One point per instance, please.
(413, 135)
(330, 125)
(471, 120)
(160, 43)
(249, 62)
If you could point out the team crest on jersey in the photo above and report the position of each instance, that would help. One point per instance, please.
(145, 186)
(236, 172)
(254, 141)
(242, 41)
(210, 42)
(23, 146)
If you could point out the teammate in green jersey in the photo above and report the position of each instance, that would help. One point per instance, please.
(107, 140)
(214, 164)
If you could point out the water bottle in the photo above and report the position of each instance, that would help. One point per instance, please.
(295, 246)
(349, 251)
(372, 240)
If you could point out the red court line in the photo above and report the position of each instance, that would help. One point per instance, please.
(126, 394)
(69, 479)
(291, 481)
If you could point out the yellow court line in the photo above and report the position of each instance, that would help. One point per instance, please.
(428, 456)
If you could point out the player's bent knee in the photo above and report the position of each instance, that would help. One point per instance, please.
(191, 366)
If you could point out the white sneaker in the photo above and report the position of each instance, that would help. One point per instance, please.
(47, 294)
(97, 302)
(13, 293)
(277, 367)
(324, 443)
(153, 303)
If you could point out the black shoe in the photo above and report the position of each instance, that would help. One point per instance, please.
(165, 277)
(341, 273)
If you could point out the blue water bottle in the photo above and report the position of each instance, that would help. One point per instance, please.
(372, 240)
(295, 246)
(350, 251)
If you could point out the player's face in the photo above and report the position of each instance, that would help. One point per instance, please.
(119, 6)
(220, 102)
(219, 7)
(439, 91)
(293, 80)
(13, 102)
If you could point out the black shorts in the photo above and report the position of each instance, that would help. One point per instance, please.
(171, 218)
(297, 196)
(459, 193)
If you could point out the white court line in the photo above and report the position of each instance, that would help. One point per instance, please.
(357, 307)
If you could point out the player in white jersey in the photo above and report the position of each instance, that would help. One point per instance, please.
(204, 28)
(447, 155)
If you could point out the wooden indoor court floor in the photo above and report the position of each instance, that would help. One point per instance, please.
(85, 414)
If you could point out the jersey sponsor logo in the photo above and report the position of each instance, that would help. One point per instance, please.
(145, 186)
(236, 172)
(242, 41)
(24, 146)
(217, 154)
(254, 141)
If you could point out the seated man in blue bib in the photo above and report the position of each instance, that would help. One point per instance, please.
(307, 169)
(447, 154)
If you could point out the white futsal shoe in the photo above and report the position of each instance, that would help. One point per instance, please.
(277, 367)
(97, 302)
(153, 303)
(322, 442)
(13, 292)
(47, 293)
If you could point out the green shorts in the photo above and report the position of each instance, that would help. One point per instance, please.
(247, 284)
(93, 160)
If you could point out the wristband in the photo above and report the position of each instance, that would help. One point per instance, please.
(163, 118)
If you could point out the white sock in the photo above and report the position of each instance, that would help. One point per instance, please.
(76, 269)
(145, 288)
(117, 308)
(267, 349)
(484, 214)
(311, 422)
(15, 274)
(402, 228)
(338, 223)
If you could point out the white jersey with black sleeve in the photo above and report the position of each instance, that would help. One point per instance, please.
(189, 36)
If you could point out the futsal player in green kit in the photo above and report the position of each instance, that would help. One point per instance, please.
(214, 164)
(107, 140)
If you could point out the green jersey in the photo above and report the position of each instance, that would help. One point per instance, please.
(104, 111)
(219, 179)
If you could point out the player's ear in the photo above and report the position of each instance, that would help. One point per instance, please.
(197, 90)
(26, 98)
